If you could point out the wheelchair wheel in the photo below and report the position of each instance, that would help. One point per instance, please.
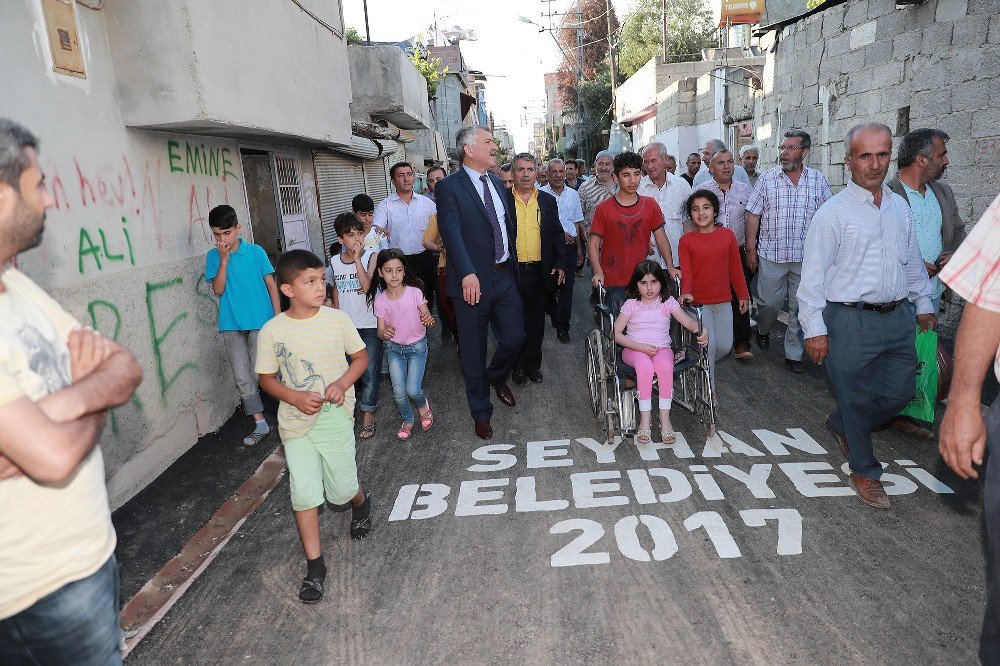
(596, 375)
(612, 415)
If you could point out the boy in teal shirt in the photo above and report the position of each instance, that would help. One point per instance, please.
(242, 277)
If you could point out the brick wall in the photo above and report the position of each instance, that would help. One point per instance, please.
(869, 61)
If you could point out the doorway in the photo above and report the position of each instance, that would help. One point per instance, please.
(258, 178)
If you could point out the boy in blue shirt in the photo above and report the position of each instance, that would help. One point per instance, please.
(243, 278)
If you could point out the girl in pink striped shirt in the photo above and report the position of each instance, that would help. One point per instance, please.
(643, 329)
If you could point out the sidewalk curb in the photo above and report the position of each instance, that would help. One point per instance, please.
(161, 592)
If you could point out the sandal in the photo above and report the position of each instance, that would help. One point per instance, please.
(367, 430)
(668, 436)
(311, 590)
(643, 436)
(427, 418)
(405, 430)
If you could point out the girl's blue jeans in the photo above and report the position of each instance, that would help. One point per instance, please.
(406, 370)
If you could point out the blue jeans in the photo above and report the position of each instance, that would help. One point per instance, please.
(77, 624)
(406, 369)
(368, 383)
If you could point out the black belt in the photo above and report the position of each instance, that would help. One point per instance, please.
(501, 265)
(529, 264)
(881, 308)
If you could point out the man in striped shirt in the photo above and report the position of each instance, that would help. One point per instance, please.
(974, 274)
(780, 207)
(861, 264)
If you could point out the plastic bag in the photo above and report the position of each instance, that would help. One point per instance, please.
(925, 397)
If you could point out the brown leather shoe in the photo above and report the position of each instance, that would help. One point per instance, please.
(844, 448)
(870, 491)
(505, 395)
(483, 429)
(742, 352)
(910, 428)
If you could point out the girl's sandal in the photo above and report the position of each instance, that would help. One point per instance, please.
(405, 430)
(427, 418)
(367, 430)
(669, 437)
(643, 436)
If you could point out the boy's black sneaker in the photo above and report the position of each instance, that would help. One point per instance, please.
(361, 523)
(311, 590)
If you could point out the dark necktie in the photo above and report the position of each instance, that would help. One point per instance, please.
(491, 212)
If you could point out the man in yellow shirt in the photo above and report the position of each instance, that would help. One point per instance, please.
(541, 253)
(58, 576)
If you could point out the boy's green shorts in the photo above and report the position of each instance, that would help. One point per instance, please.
(323, 460)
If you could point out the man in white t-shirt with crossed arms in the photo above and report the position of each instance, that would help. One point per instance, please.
(58, 575)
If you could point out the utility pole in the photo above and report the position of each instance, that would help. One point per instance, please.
(665, 31)
(612, 46)
(368, 33)
(581, 139)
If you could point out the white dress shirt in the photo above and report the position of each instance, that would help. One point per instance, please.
(671, 197)
(497, 205)
(856, 251)
(405, 222)
(570, 208)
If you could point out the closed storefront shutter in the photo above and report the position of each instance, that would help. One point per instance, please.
(338, 179)
(376, 179)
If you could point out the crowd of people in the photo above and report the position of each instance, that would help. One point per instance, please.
(496, 248)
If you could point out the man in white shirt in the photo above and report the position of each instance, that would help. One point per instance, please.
(861, 264)
(58, 575)
(671, 193)
(404, 215)
(570, 217)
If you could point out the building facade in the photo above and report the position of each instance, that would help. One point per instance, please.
(147, 120)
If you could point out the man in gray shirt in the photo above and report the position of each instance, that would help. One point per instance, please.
(861, 263)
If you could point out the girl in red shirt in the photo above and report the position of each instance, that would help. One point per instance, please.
(710, 272)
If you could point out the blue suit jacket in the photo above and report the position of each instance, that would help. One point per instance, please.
(467, 231)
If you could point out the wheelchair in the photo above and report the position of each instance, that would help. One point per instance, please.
(613, 395)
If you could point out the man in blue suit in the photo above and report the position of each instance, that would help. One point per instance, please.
(479, 230)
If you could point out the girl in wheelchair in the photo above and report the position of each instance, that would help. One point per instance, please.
(643, 329)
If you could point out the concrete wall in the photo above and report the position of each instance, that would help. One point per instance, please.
(124, 247)
(386, 85)
(687, 114)
(866, 60)
(196, 64)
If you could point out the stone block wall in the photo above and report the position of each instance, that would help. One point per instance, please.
(936, 64)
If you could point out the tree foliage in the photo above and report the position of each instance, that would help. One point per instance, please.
(689, 30)
(595, 44)
(596, 98)
(353, 36)
(430, 68)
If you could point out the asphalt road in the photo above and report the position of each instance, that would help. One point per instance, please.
(548, 547)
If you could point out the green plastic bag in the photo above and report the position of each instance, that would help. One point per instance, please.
(922, 405)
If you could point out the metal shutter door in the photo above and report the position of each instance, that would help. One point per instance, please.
(339, 179)
(377, 179)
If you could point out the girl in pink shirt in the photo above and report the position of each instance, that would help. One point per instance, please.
(643, 329)
(403, 319)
